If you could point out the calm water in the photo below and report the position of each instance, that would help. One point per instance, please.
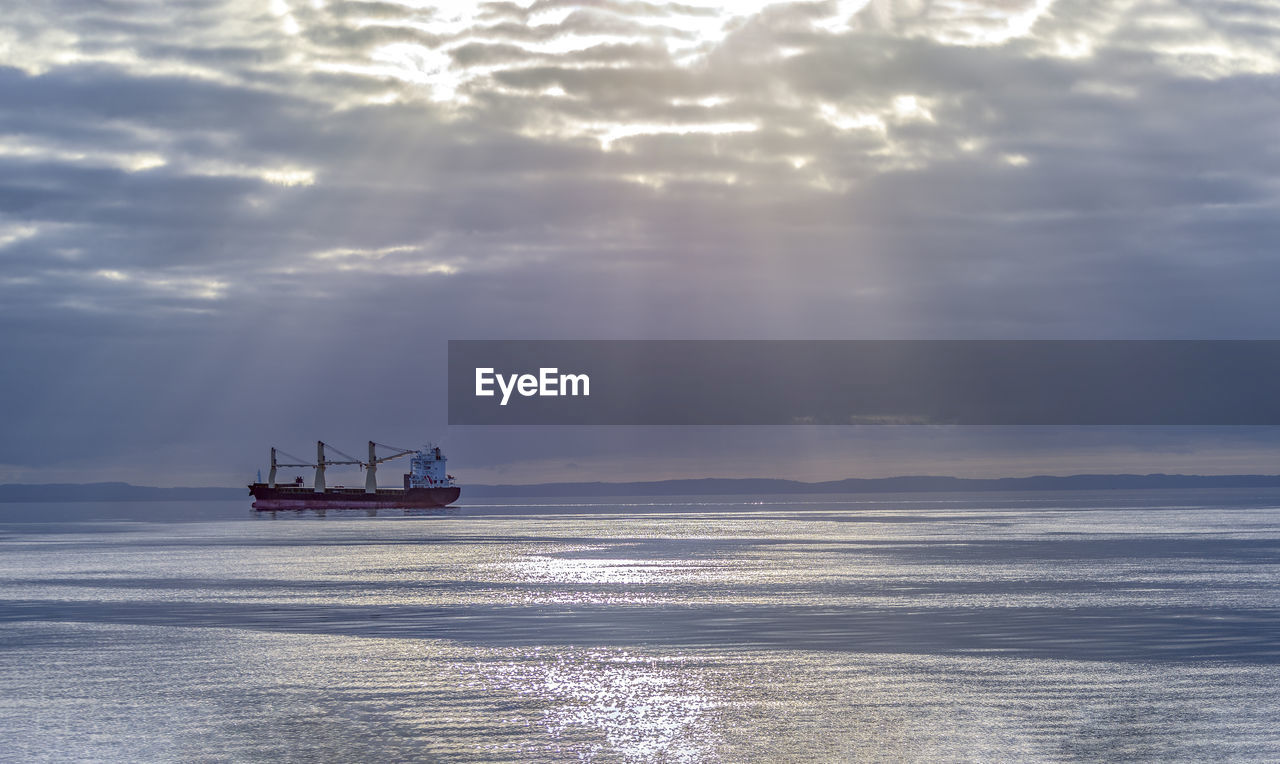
(1048, 626)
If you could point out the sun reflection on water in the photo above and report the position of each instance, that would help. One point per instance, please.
(604, 570)
(642, 708)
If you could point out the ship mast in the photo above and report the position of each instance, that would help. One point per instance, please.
(319, 484)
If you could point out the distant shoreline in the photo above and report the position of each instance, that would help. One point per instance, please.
(88, 492)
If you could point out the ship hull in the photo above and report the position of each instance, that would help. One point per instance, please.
(296, 497)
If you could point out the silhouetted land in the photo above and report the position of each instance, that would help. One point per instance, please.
(904, 484)
(706, 486)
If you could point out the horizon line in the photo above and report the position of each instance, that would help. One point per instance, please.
(920, 476)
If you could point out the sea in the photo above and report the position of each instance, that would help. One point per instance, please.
(1044, 626)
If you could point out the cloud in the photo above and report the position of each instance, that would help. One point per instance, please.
(250, 183)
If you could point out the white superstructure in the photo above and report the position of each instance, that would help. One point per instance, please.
(426, 469)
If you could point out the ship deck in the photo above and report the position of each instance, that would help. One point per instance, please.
(303, 490)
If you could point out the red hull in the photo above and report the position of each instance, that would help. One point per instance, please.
(297, 497)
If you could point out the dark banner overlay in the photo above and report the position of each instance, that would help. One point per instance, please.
(755, 382)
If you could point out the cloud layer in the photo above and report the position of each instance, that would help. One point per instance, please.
(236, 222)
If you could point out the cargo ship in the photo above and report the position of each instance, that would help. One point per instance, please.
(426, 484)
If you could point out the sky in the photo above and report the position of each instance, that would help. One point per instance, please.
(231, 225)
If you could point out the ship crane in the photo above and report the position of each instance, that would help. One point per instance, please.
(371, 466)
(297, 462)
(320, 463)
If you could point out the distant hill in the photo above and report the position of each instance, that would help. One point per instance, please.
(703, 486)
(114, 492)
(904, 484)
